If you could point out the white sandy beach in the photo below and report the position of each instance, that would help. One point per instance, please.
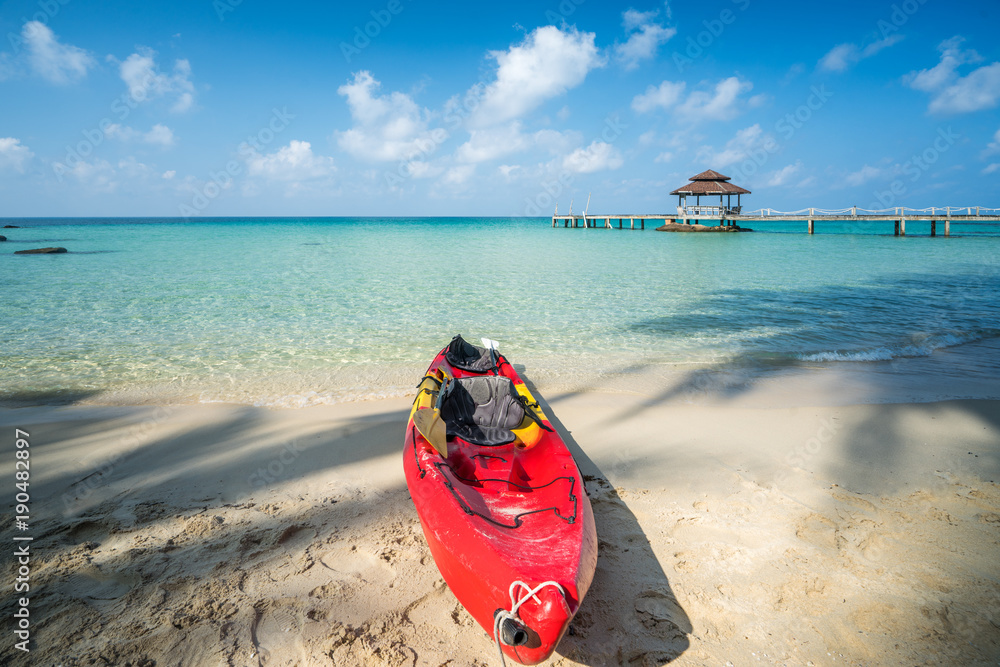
(730, 533)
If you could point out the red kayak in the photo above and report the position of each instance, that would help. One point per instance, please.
(500, 500)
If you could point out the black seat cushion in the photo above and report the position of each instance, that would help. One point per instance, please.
(482, 410)
(463, 354)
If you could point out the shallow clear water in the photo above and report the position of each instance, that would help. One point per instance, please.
(299, 311)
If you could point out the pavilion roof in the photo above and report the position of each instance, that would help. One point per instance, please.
(710, 183)
(709, 175)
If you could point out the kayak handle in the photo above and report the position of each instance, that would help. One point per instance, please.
(512, 633)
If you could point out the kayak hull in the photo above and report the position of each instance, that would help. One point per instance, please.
(496, 515)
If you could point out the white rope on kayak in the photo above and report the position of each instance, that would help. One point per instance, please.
(515, 605)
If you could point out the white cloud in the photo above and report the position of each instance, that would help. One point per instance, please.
(458, 175)
(665, 156)
(43, 54)
(58, 63)
(843, 56)
(951, 92)
(294, 162)
(633, 19)
(720, 104)
(160, 134)
(169, 174)
(546, 64)
(14, 154)
(980, 89)
(994, 146)
(491, 143)
(598, 156)
(838, 58)
(495, 142)
(510, 171)
(781, 176)
(145, 82)
(862, 176)
(747, 140)
(644, 37)
(935, 78)
(132, 167)
(120, 132)
(421, 169)
(990, 168)
(666, 95)
(98, 176)
(387, 127)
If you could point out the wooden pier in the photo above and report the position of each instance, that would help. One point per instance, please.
(722, 216)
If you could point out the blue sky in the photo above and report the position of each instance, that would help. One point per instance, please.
(403, 107)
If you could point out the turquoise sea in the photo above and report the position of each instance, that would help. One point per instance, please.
(293, 312)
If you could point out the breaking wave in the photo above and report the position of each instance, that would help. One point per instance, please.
(917, 348)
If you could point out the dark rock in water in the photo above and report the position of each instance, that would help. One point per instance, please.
(41, 251)
(681, 227)
(2, 239)
(11, 227)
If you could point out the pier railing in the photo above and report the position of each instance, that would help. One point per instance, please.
(732, 217)
(898, 212)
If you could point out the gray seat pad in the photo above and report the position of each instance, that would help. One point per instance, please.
(482, 410)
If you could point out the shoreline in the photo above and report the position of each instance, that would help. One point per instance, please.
(963, 371)
(729, 531)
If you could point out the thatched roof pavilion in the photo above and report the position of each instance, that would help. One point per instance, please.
(709, 183)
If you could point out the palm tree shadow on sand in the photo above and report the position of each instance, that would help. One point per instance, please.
(630, 616)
